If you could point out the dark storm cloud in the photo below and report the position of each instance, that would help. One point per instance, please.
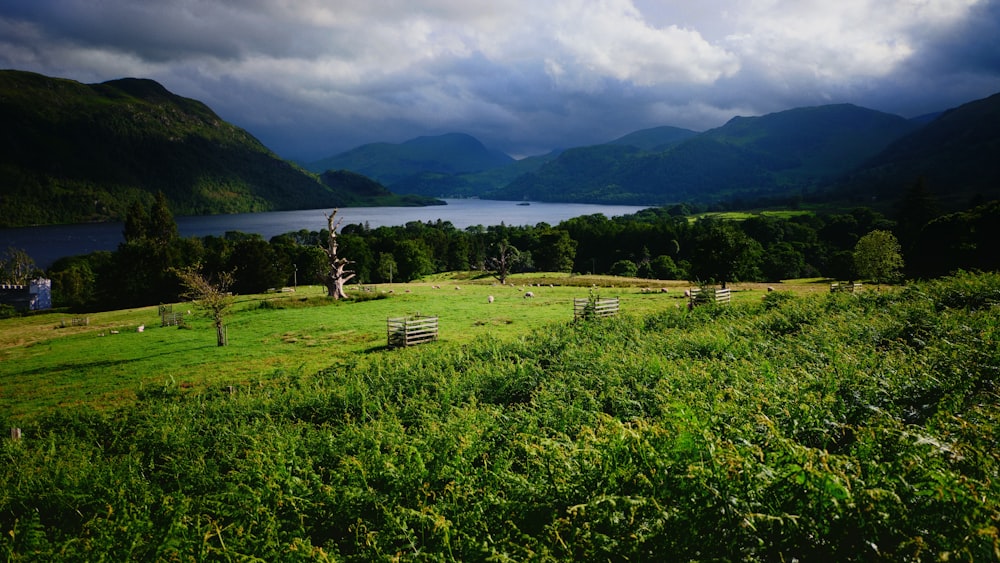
(313, 77)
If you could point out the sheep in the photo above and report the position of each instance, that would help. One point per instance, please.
(489, 299)
(528, 294)
(664, 290)
(141, 328)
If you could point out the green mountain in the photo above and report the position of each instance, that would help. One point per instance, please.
(655, 139)
(955, 155)
(449, 154)
(72, 152)
(472, 184)
(771, 155)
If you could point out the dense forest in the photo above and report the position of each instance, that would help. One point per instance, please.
(657, 243)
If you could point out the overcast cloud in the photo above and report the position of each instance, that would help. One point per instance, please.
(311, 78)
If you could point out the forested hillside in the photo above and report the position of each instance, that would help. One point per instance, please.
(451, 153)
(955, 155)
(777, 155)
(72, 152)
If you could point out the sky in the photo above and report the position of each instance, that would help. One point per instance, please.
(312, 78)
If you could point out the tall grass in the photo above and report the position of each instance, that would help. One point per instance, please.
(830, 427)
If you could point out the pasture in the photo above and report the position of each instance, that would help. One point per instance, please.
(44, 365)
(791, 425)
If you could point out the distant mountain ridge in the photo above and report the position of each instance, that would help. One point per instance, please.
(450, 153)
(748, 157)
(73, 152)
(836, 151)
(957, 155)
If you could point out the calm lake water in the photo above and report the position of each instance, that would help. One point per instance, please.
(46, 244)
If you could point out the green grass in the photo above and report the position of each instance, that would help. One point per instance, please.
(791, 425)
(44, 366)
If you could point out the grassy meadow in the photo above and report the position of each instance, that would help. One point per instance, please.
(794, 424)
(44, 365)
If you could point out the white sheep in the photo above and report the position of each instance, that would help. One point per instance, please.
(528, 294)
(489, 299)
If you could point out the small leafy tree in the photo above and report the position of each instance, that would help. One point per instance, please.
(214, 296)
(877, 256)
(16, 266)
(624, 268)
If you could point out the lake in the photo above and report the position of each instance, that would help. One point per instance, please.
(48, 243)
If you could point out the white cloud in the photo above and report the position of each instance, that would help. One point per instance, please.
(334, 73)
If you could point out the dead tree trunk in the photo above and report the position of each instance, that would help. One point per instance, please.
(337, 275)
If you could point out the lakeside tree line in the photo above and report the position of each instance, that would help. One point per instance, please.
(656, 243)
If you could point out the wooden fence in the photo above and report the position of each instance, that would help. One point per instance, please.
(585, 308)
(75, 321)
(714, 295)
(838, 287)
(408, 331)
(171, 319)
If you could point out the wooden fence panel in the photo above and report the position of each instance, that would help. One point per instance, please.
(586, 308)
(714, 295)
(409, 331)
(838, 287)
(171, 319)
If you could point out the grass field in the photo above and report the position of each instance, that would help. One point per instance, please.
(44, 365)
(790, 425)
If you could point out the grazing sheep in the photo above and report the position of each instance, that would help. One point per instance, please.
(664, 290)
(141, 328)
(770, 289)
(456, 287)
(489, 299)
(528, 294)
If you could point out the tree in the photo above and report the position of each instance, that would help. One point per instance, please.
(387, 266)
(413, 260)
(162, 227)
(724, 253)
(337, 275)
(501, 262)
(16, 266)
(877, 256)
(624, 268)
(555, 251)
(136, 222)
(256, 266)
(213, 296)
(663, 268)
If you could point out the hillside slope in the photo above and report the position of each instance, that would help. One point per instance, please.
(955, 154)
(772, 155)
(451, 153)
(72, 152)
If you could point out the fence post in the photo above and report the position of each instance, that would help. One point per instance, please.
(15, 434)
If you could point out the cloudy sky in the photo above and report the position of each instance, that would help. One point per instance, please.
(311, 78)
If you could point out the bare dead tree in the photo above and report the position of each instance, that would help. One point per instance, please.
(337, 274)
(213, 296)
(502, 262)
